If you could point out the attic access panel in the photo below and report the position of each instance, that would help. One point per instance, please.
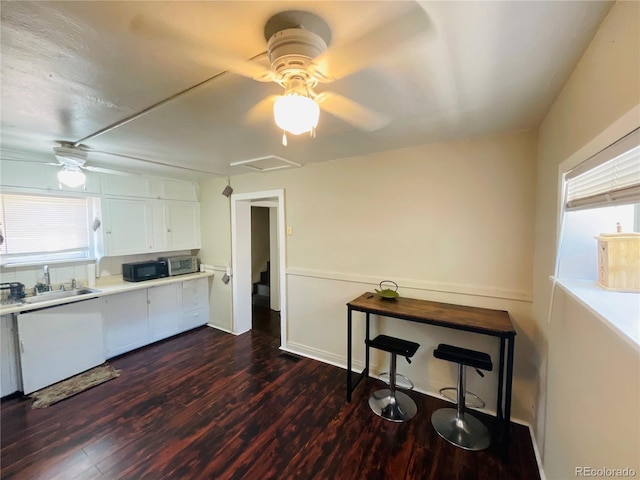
(266, 164)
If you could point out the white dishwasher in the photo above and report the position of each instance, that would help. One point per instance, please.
(59, 342)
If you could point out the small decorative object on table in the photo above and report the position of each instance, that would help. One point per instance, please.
(388, 290)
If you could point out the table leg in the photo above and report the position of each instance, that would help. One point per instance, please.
(349, 354)
(366, 354)
(501, 399)
(499, 407)
(507, 400)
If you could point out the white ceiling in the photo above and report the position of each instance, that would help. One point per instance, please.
(468, 69)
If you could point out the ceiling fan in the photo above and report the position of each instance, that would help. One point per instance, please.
(73, 161)
(301, 60)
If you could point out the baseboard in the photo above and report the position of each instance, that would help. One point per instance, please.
(320, 355)
(220, 328)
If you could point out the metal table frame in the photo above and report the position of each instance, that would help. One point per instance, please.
(498, 324)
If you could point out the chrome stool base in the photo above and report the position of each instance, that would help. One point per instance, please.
(393, 406)
(465, 432)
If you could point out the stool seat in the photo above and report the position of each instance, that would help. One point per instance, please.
(388, 403)
(455, 425)
(404, 348)
(463, 356)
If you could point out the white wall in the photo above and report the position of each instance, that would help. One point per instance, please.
(450, 222)
(588, 412)
(215, 227)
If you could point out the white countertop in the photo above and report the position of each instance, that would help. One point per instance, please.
(105, 286)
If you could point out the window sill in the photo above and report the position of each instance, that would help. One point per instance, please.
(47, 262)
(618, 310)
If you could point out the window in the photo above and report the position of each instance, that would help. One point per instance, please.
(602, 196)
(43, 228)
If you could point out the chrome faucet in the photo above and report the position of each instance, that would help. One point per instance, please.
(47, 278)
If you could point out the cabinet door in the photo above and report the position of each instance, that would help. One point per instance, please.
(179, 190)
(129, 186)
(59, 342)
(160, 229)
(164, 311)
(183, 220)
(128, 227)
(8, 360)
(126, 322)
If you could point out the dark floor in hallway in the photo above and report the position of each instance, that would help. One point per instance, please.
(266, 320)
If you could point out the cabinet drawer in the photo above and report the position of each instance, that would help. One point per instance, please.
(195, 294)
(195, 318)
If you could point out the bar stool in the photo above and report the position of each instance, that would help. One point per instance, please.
(454, 425)
(389, 403)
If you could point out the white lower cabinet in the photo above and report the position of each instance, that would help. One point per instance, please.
(164, 311)
(138, 318)
(59, 342)
(8, 359)
(195, 303)
(126, 322)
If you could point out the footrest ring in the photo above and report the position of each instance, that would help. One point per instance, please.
(474, 402)
(405, 384)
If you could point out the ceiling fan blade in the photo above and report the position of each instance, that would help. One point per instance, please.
(351, 112)
(385, 38)
(158, 30)
(261, 111)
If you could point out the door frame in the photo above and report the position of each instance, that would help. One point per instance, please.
(241, 257)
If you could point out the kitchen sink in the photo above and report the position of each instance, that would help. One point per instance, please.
(59, 294)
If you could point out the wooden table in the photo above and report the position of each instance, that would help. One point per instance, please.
(495, 323)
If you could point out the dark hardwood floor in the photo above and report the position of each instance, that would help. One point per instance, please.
(210, 405)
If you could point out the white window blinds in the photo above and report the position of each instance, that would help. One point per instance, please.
(33, 225)
(611, 177)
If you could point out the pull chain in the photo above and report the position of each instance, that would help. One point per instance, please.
(284, 138)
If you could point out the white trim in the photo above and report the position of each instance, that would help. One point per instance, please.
(464, 289)
(612, 308)
(240, 326)
(536, 450)
(216, 268)
(217, 327)
(323, 356)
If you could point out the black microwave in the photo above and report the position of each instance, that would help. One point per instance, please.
(139, 271)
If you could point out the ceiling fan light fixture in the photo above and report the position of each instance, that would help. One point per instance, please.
(71, 176)
(296, 113)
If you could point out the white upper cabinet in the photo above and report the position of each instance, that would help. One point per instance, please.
(149, 187)
(128, 227)
(179, 190)
(183, 225)
(127, 185)
(146, 226)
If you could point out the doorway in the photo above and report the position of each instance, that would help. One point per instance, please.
(264, 294)
(241, 257)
